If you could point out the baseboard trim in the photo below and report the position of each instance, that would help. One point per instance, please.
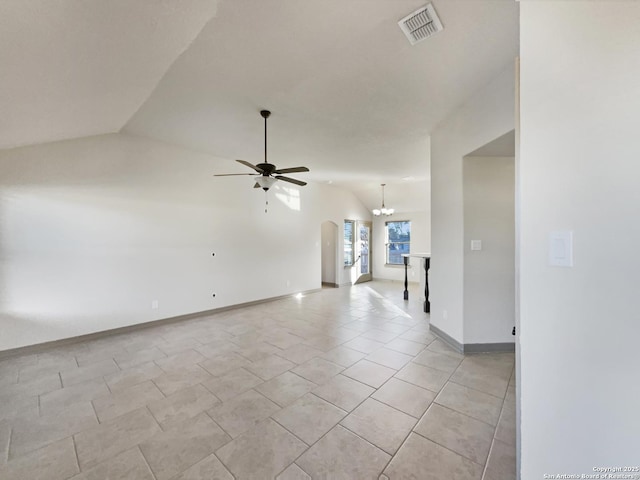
(330, 284)
(41, 347)
(489, 347)
(472, 347)
(448, 339)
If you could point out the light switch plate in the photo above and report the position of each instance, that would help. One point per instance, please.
(561, 249)
(476, 244)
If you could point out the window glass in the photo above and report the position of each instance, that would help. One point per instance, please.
(398, 241)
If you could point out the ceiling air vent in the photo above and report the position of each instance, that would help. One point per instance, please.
(421, 24)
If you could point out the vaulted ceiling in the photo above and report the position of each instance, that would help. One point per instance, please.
(351, 98)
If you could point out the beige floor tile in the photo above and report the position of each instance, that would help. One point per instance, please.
(341, 454)
(31, 433)
(82, 374)
(42, 369)
(309, 417)
(300, 353)
(422, 459)
(464, 435)
(417, 336)
(232, 384)
(179, 361)
(490, 384)
(182, 405)
(437, 361)
(133, 376)
(13, 406)
(174, 347)
(318, 370)
(270, 367)
(216, 348)
(380, 424)
(406, 397)
(501, 464)
(129, 465)
(510, 397)
(128, 360)
(8, 378)
(506, 431)
(262, 452)
(439, 346)
(180, 378)
(243, 412)
(283, 339)
(96, 354)
(369, 373)
(5, 436)
(478, 405)
(285, 388)
(364, 345)
(222, 364)
(422, 376)
(389, 358)
(39, 386)
(126, 400)
(344, 392)
(209, 468)
(113, 437)
(393, 327)
(307, 336)
(257, 351)
(323, 342)
(58, 400)
(293, 472)
(15, 363)
(379, 335)
(405, 346)
(173, 451)
(56, 461)
(343, 356)
(496, 364)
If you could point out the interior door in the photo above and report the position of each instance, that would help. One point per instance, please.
(363, 252)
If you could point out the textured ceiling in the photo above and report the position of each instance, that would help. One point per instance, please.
(72, 68)
(351, 98)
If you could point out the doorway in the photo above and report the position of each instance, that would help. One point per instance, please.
(363, 252)
(329, 253)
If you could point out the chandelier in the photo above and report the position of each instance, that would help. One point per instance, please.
(383, 210)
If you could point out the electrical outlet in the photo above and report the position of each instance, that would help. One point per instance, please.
(154, 304)
(288, 283)
(445, 314)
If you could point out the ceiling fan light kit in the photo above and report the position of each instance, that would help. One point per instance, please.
(382, 210)
(269, 173)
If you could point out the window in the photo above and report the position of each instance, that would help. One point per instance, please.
(398, 241)
(349, 227)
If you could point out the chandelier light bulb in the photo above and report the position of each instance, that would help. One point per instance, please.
(383, 210)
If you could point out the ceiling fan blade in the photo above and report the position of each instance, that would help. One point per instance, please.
(250, 165)
(232, 174)
(292, 170)
(291, 180)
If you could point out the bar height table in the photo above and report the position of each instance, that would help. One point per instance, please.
(427, 265)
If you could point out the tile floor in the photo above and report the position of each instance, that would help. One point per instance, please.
(345, 383)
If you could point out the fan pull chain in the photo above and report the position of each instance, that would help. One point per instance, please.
(266, 201)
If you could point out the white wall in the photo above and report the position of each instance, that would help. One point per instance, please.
(489, 275)
(420, 243)
(93, 230)
(579, 171)
(483, 118)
